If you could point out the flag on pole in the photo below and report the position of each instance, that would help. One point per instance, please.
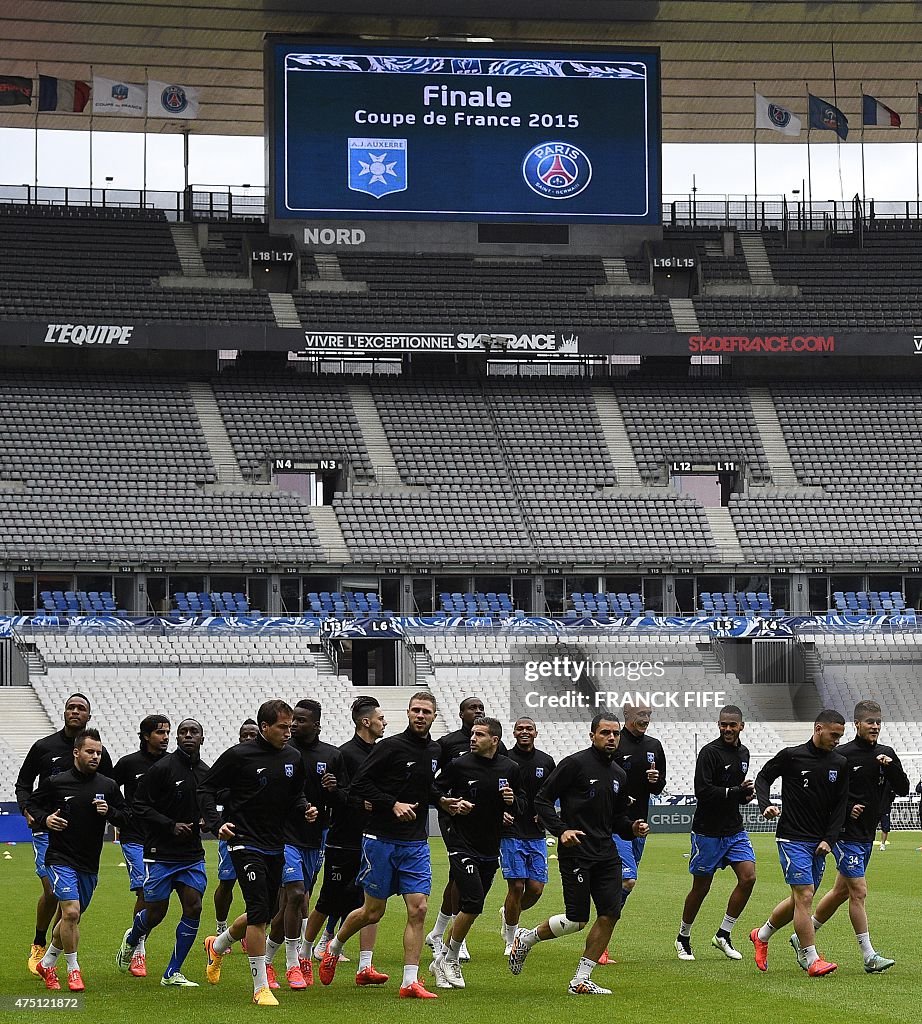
(63, 95)
(873, 112)
(774, 116)
(112, 97)
(166, 100)
(15, 91)
(827, 116)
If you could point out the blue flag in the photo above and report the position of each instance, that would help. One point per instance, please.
(828, 117)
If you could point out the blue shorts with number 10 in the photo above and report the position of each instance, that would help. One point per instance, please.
(390, 867)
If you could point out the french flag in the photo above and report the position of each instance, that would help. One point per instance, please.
(62, 95)
(876, 113)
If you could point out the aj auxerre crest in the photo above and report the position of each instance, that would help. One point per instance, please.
(289, 770)
(378, 167)
(833, 774)
(435, 765)
(539, 773)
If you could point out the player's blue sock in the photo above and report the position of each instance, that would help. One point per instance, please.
(139, 929)
(186, 931)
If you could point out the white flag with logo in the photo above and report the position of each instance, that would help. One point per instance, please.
(112, 97)
(778, 118)
(166, 100)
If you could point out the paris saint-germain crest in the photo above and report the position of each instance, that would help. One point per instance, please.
(378, 167)
(833, 774)
(174, 99)
(556, 170)
(778, 116)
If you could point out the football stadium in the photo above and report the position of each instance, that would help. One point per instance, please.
(425, 571)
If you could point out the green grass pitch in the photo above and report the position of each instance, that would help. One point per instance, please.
(649, 982)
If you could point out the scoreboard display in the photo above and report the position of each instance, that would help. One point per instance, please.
(462, 132)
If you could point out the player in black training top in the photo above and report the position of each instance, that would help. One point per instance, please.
(48, 756)
(454, 745)
(325, 788)
(261, 783)
(397, 781)
(488, 788)
(814, 790)
(74, 806)
(154, 734)
(166, 802)
(340, 893)
(592, 790)
(523, 847)
(718, 838)
(873, 768)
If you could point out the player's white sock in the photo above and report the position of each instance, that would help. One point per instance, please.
(767, 931)
(454, 949)
(223, 942)
(303, 928)
(509, 932)
(727, 924)
(258, 970)
(410, 974)
(584, 971)
(51, 955)
(334, 947)
(441, 924)
(817, 924)
(140, 947)
(364, 959)
(864, 941)
(221, 926)
(810, 955)
(271, 949)
(291, 952)
(306, 951)
(685, 930)
(559, 925)
(71, 959)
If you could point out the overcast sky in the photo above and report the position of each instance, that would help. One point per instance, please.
(220, 161)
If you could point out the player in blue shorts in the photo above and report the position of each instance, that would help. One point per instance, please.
(718, 838)
(154, 734)
(523, 848)
(814, 781)
(397, 780)
(166, 802)
(224, 890)
(74, 807)
(872, 769)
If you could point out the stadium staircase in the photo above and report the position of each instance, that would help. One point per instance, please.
(328, 268)
(379, 450)
(725, 535)
(684, 316)
(216, 436)
(760, 269)
(616, 271)
(336, 552)
(616, 439)
(772, 437)
(187, 249)
(284, 310)
(24, 718)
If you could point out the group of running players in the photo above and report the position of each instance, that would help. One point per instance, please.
(282, 803)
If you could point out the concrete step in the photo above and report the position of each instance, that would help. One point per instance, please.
(616, 271)
(24, 718)
(374, 435)
(757, 261)
(328, 267)
(284, 310)
(772, 437)
(616, 439)
(190, 256)
(216, 436)
(336, 551)
(684, 316)
(725, 535)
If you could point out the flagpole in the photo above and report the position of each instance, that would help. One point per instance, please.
(146, 115)
(38, 82)
(918, 114)
(809, 164)
(864, 194)
(92, 115)
(755, 158)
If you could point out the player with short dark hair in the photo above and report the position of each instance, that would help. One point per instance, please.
(224, 890)
(46, 757)
(340, 894)
(397, 780)
(523, 847)
(814, 781)
(154, 734)
(74, 806)
(488, 789)
(718, 838)
(592, 790)
(166, 801)
(261, 783)
(872, 768)
(325, 773)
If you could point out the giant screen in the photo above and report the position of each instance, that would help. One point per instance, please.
(463, 132)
